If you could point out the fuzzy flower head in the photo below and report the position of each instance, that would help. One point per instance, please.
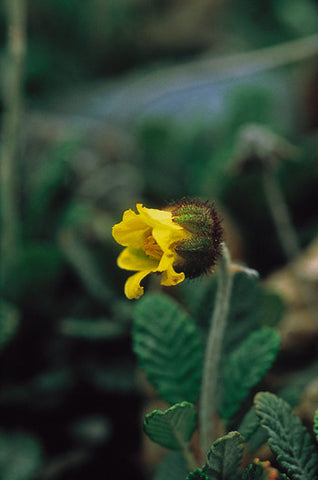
(178, 242)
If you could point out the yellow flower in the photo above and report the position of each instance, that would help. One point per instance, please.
(150, 237)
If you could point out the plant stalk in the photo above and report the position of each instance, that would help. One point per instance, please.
(288, 237)
(280, 214)
(12, 100)
(213, 354)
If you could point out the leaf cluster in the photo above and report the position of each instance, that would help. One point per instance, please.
(296, 455)
(168, 344)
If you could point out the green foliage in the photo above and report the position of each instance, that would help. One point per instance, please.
(173, 467)
(249, 424)
(316, 424)
(85, 264)
(168, 347)
(251, 305)
(47, 186)
(244, 308)
(288, 438)
(198, 474)
(36, 268)
(20, 456)
(225, 457)
(271, 308)
(256, 471)
(9, 321)
(246, 366)
(92, 329)
(172, 428)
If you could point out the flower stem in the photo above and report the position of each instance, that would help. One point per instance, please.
(210, 382)
(288, 237)
(12, 100)
(280, 214)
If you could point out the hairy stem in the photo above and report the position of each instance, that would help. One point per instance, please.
(210, 382)
(12, 100)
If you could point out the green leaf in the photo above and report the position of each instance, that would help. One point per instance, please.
(9, 321)
(244, 308)
(253, 472)
(198, 474)
(256, 440)
(20, 456)
(168, 347)
(316, 424)
(243, 314)
(173, 467)
(259, 436)
(271, 309)
(246, 366)
(249, 424)
(288, 438)
(172, 428)
(251, 306)
(256, 471)
(36, 269)
(47, 183)
(225, 456)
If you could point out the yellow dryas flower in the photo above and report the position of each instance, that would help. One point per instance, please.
(150, 237)
(180, 241)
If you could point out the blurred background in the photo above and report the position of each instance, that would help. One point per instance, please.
(107, 103)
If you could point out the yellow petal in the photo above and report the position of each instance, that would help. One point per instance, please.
(171, 277)
(136, 259)
(154, 217)
(167, 236)
(131, 231)
(166, 261)
(133, 289)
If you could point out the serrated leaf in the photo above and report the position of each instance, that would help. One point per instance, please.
(173, 427)
(288, 438)
(262, 471)
(249, 424)
(9, 321)
(168, 346)
(246, 366)
(257, 439)
(173, 467)
(225, 456)
(198, 474)
(253, 472)
(20, 456)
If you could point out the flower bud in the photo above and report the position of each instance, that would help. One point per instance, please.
(199, 251)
